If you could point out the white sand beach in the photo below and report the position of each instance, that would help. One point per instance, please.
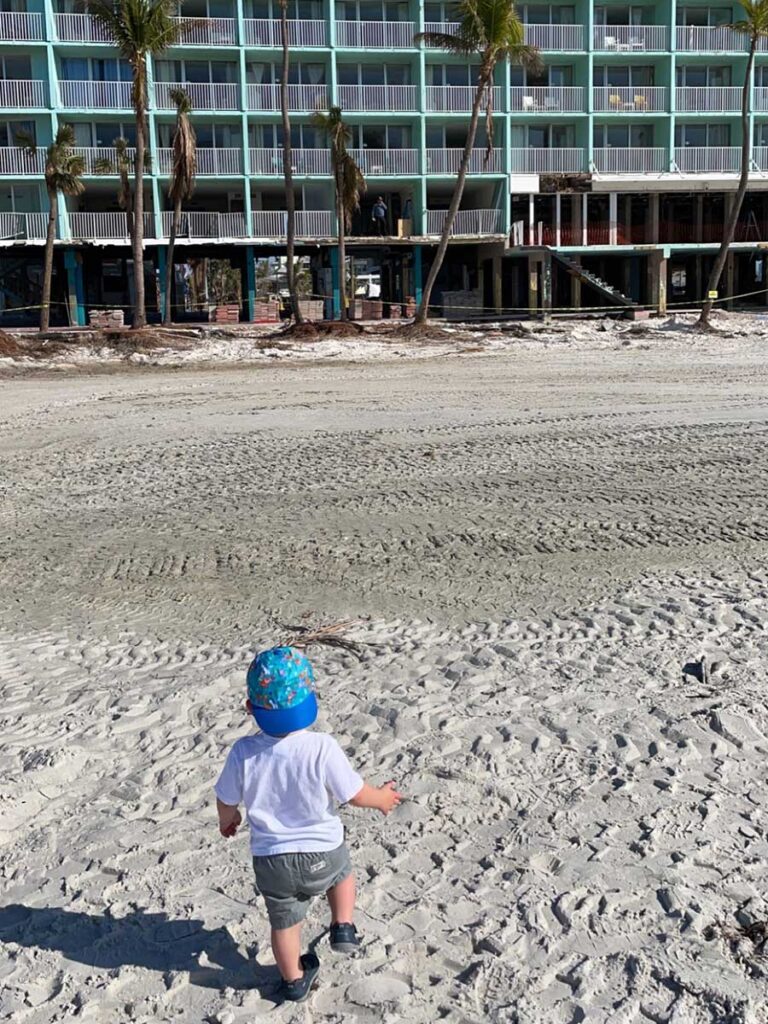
(538, 543)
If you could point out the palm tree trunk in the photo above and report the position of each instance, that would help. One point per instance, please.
(140, 308)
(733, 220)
(50, 235)
(167, 313)
(342, 247)
(290, 199)
(422, 312)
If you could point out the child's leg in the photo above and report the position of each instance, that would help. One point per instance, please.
(286, 945)
(342, 900)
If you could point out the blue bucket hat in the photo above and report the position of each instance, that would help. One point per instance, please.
(281, 688)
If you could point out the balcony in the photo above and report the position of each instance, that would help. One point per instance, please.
(111, 227)
(447, 161)
(760, 157)
(709, 39)
(708, 159)
(640, 99)
(20, 27)
(710, 99)
(210, 160)
(445, 28)
(569, 38)
(375, 35)
(208, 31)
(300, 97)
(309, 224)
(22, 227)
(467, 223)
(392, 98)
(266, 32)
(22, 93)
(95, 95)
(80, 28)
(632, 160)
(203, 95)
(552, 100)
(374, 162)
(631, 38)
(194, 224)
(760, 99)
(562, 160)
(19, 161)
(303, 161)
(458, 99)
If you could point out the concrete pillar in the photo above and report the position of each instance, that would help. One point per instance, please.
(576, 291)
(497, 290)
(576, 220)
(584, 218)
(546, 285)
(73, 264)
(653, 218)
(657, 280)
(613, 203)
(417, 272)
(250, 283)
(335, 283)
(162, 262)
(533, 285)
(531, 219)
(730, 279)
(558, 218)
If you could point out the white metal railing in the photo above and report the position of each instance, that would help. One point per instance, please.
(21, 226)
(386, 161)
(444, 28)
(715, 99)
(22, 92)
(555, 37)
(467, 222)
(300, 97)
(303, 161)
(198, 224)
(553, 99)
(97, 158)
(203, 95)
(630, 160)
(106, 225)
(709, 39)
(760, 98)
(458, 99)
(80, 28)
(708, 159)
(208, 31)
(18, 160)
(266, 32)
(210, 160)
(309, 223)
(447, 161)
(375, 34)
(99, 95)
(378, 97)
(566, 160)
(639, 99)
(631, 38)
(18, 26)
(760, 156)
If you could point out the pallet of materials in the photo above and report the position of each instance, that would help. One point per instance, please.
(106, 319)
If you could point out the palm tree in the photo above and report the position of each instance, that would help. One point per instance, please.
(183, 170)
(755, 27)
(121, 166)
(492, 31)
(290, 199)
(349, 182)
(63, 173)
(139, 28)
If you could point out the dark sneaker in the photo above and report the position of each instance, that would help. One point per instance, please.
(344, 938)
(297, 991)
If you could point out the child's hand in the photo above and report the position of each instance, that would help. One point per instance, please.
(389, 798)
(231, 827)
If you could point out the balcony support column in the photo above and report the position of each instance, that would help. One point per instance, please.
(162, 263)
(657, 280)
(576, 289)
(613, 205)
(546, 285)
(531, 219)
(730, 279)
(73, 264)
(335, 283)
(558, 218)
(497, 296)
(576, 211)
(585, 218)
(250, 284)
(533, 284)
(417, 271)
(653, 218)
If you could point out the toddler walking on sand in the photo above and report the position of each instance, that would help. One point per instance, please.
(289, 780)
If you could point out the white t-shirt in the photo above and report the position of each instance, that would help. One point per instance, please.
(288, 785)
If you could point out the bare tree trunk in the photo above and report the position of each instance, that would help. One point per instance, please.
(733, 220)
(342, 247)
(422, 313)
(290, 199)
(50, 235)
(140, 307)
(167, 313)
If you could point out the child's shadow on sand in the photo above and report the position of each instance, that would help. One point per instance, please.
(143, 940)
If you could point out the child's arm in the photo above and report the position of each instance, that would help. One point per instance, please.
(382, 798)
(229, 818)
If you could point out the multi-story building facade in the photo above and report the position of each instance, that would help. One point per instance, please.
(615, 163)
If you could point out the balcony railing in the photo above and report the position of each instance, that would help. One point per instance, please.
(467, 222)
(639, 99)
(80, 28)
(760, 156)
(300, 97)
(203, 95)
(549, 99)
(631, 160)
(112, 226)
(387, 161)
(196, 224)
(396, 98)
(565, 160)
(708, 159)
(266, 32)
(760, 98)
(555, 37)
(210, 160)
(309, 223)
(444, 28)
(457, 99)
(23, 226)
(208, 31)
(17, 160)
(20, 26)
(375, 35)
(97, 158)
(22, 92)
(96, 95)
(709, 39)
(303, 161)
(447, 161)
(713, 99)
(631, 38)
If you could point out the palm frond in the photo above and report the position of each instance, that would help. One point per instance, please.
(447, 42)
(184, 164)
(331, 635)
(26, 141)
(352, 183)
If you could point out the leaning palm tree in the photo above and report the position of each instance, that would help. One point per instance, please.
(183, 171)
(139, 28)
(492, 31)
(349, 182)
(121, 165)
(290, 199)
(64, 169)
(755, 27)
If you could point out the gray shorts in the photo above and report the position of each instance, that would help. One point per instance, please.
(288, 881)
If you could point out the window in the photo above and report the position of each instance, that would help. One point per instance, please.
(194, 71)
(702, 17)
(298, 10)
(553, 136)
(703, 75)
(10, 131)
(13, 67)
(371, 10)
(373, 74)
(452, 74)
(94, 69)
(548, 14)
(607, 16)
(621, 136)
(702, 135)
(607, 75)
(374, 136)
(268, 73)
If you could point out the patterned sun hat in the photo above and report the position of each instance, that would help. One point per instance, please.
(281, 688)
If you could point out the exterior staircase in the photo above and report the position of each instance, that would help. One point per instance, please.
(613, 295)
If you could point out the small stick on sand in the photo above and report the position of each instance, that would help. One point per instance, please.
(331, 635)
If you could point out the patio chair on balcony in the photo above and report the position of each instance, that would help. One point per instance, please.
(614, 102)
(529, 103)
(641, 103)
(610, 43)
